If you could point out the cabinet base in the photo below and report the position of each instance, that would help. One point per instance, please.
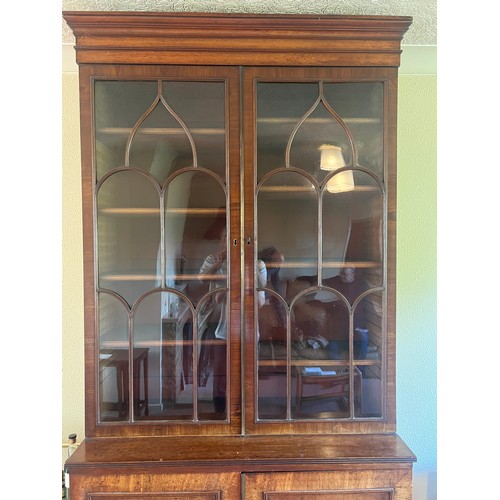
(357, 467)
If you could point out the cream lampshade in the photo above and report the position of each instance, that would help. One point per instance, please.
(333, 159)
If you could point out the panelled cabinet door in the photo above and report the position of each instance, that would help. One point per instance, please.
(317, 182)
(165, 186)
(339, 485)
(156, 486)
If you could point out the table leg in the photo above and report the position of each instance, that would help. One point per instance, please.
(145, 366)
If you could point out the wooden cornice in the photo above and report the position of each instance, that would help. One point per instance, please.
(236, 39)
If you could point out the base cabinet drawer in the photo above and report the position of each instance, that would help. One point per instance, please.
(337, 485)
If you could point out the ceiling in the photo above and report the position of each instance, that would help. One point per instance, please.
(423, 31)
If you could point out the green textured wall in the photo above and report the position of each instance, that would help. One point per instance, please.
(416, 272)
(73, 399)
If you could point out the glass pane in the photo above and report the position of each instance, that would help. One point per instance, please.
(361, 107)
(146, 341)
(369, 342)
(320, 324)
(352, 237)
(156, 225)
(323, 392)
(196, 264)
(280, 106)
(321, 237)
(213, 318)
(176, 358)
(201, 106)
(318, 131)
(182, 122)
(212, 356)
(195, 224)
(287, 218)
(320, 333)
(118, 107)
(160, 144)
(128, 227)
(113, 358)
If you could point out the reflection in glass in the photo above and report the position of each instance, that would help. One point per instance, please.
(324, 392)
(155, 338)
(161, 208)
(320, 231)
(113, 358)
(272, 352)
(195, 215)
(287, 218)
(212, 364)
(332, 159)
(320, 323)
(352, 234)
(318, 128)
(166, 125)
(161, 145)
(118, 105)
(176, 403)
(194, 366)
(213, 326)
(279, 106)
(201, 107)
(128, 228)
(360, 106)
(368, 316)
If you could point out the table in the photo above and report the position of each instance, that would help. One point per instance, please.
(119, 359)
(336, 385)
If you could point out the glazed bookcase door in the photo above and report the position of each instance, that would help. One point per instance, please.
(164, 143)
(318, 185)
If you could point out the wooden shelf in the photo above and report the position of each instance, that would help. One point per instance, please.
(149, 277)
(287, 189)
(291, 264)
(317, 121)
(296, 192)
(210, 212)
(222, 277)
(121, 211)
(123, 345)
(125, 131)
(128, 277)
(316, 362)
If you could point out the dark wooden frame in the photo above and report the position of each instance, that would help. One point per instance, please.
(237, 39)
(88, 74)
(388, 76)
(360, 456)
